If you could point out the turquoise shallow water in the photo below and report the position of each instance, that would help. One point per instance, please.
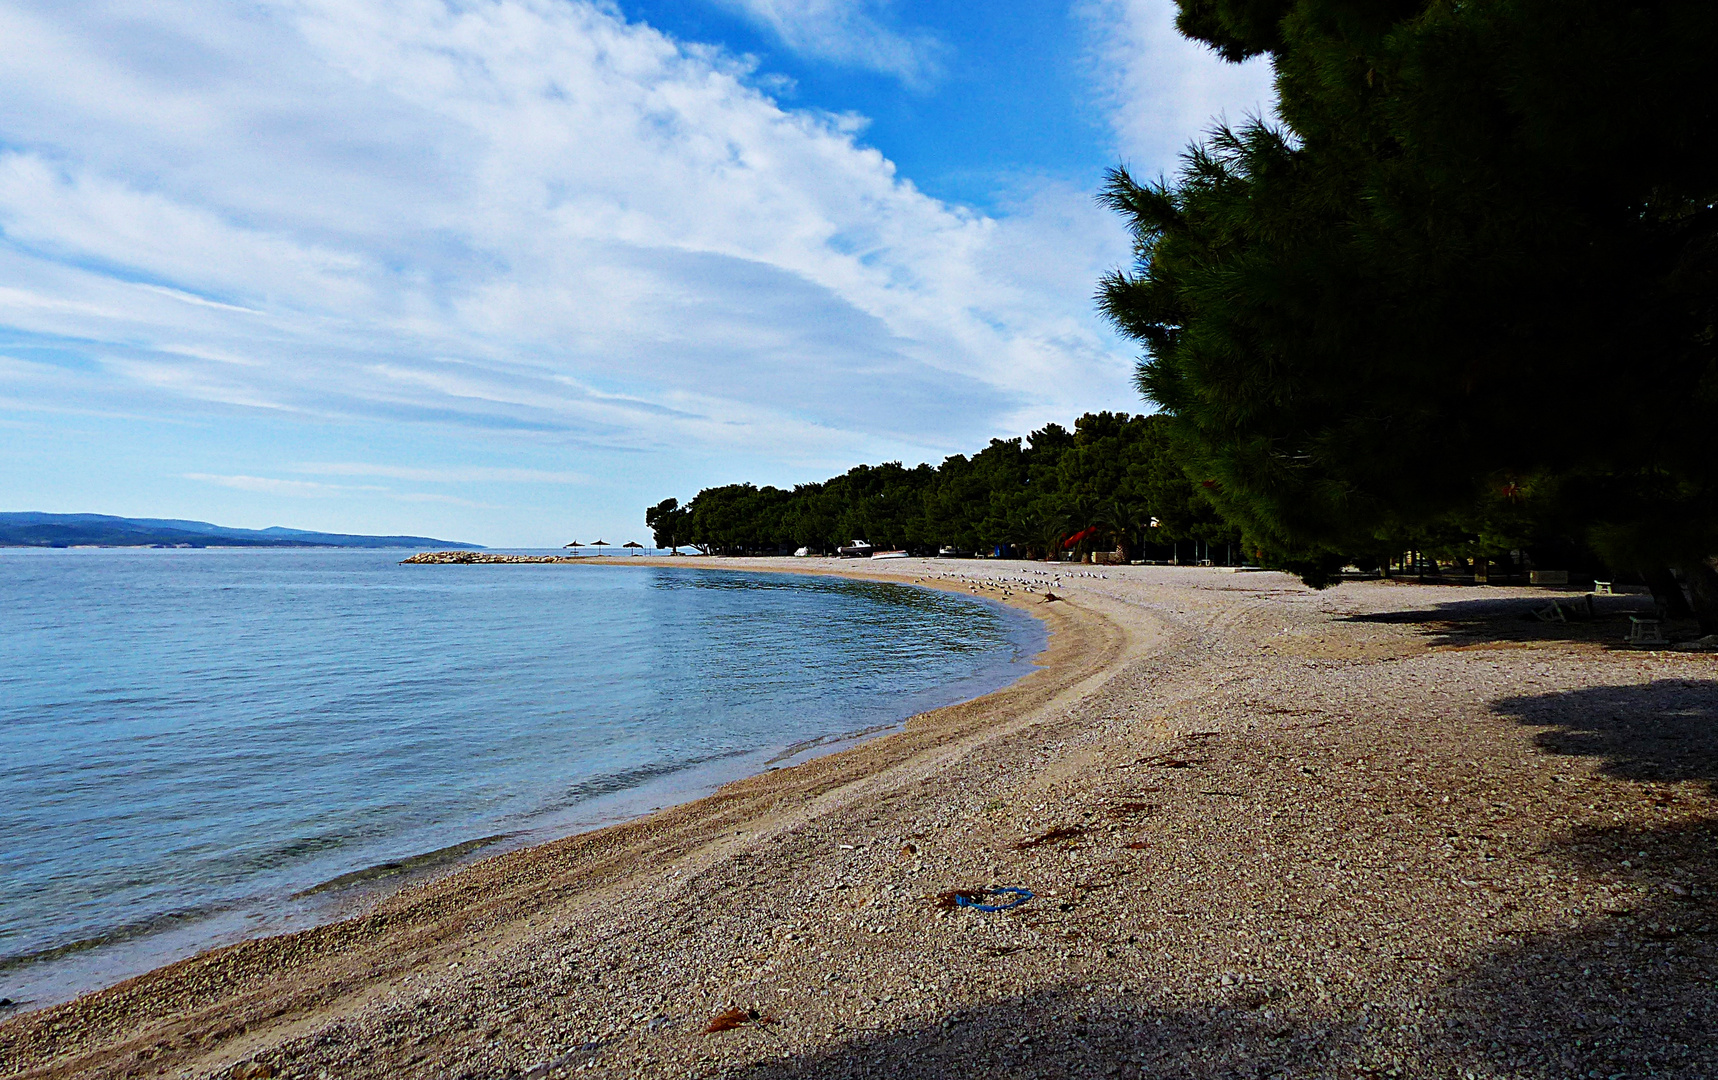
(190, 738)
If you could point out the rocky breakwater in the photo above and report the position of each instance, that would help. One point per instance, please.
(486, 557)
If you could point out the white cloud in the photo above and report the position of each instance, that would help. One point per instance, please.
(851, 32)
(520, 216)
(270, 486)
(75, 215)
(453, 474)
(1165, 91)
(311, 489)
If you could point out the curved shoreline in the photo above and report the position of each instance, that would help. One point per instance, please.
(351, 894)
(231, 973)
(1268, 832)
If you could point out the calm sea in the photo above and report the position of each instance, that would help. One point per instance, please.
(191, 740)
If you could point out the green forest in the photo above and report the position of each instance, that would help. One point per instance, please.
(1112, 483)
(1457, 295)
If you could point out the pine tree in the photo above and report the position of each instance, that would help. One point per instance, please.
(1476, 254)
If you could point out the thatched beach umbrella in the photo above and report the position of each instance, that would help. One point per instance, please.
(601, 543)
(633, 544)
(574, 544)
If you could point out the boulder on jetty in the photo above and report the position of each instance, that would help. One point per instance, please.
(486, 557)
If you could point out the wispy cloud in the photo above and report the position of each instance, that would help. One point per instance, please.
(457, 474)
(1162, 91)
(444, 500)
(858, 33)
(518, 216)
(264, 485)
(311, 489)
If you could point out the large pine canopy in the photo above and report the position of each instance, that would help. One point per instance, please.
(1461, 288)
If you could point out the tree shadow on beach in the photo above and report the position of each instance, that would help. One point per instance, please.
(1664, 731)
(1628, 991)
(1626, 986)
(1063, 1032)
(1631, 987)
(1491, 619)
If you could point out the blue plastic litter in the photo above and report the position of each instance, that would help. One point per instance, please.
(1020, 897)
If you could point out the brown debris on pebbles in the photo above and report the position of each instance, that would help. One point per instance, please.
(1060, 832)
(733, 1018)
(1416, 835)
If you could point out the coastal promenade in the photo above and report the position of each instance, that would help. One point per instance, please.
(1389, 829)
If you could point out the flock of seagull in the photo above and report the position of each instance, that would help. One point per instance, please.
(1005, 584)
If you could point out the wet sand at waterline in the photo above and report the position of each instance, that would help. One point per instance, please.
(1384, 829)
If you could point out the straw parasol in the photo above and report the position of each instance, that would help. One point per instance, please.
(633, 544)
(574, 544)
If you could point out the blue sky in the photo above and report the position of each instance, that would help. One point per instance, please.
(509, 270)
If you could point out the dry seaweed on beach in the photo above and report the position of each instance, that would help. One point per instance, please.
(1061, 832)
(733, 1018)
(1133, 809)
(1164, 761)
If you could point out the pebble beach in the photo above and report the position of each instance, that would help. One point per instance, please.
(1388, 829)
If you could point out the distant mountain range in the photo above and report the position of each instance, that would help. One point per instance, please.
(100, 530)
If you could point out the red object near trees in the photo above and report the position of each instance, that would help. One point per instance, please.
(1081, 535)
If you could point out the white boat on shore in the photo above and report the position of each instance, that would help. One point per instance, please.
(888, 555)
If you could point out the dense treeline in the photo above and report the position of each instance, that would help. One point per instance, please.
(1461, 292)
(1110, 483)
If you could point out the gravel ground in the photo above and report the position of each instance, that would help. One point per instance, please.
(1384, 830)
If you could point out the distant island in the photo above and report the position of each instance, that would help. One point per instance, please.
(101, 530)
